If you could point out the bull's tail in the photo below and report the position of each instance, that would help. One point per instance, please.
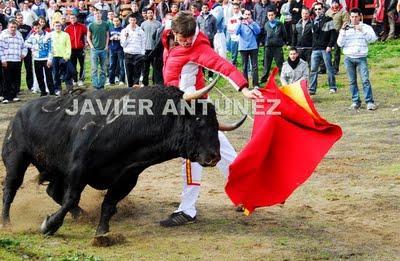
(16, 164)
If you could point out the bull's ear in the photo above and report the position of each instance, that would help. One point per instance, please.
(230, 127)
(200, 93)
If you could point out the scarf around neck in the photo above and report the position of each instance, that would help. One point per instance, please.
(294, 63)
(273, 23)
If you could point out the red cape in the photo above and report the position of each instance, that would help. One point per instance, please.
(284, 149)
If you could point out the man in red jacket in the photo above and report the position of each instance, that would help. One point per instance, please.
(186, 50)
(77, 33)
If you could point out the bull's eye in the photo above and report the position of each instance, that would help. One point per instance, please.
(200, 122)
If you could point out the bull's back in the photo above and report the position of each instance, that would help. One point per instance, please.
(43, 129)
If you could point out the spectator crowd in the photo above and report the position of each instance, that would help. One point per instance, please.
(124, 40)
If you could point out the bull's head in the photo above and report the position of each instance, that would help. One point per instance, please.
(202, 129)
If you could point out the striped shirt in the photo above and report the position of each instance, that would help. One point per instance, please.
(355, 42)
(135, 42)
(12, 47)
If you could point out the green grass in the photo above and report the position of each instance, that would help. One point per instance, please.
(348, 209)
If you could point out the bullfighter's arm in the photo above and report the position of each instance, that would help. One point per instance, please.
(209, 59)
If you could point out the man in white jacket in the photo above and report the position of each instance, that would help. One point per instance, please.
(233, 24)
(354, 38)
(133, 41)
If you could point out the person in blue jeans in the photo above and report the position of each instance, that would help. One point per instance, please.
(233, 23)
(98, 39)
(247, 31)
(117, 67)
(354, 38)
(61, 53)
(324, 38)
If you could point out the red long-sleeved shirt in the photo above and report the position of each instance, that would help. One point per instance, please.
(77, 33)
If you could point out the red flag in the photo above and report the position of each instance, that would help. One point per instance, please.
(283, 150)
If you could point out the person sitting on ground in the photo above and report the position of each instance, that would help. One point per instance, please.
(294, 69)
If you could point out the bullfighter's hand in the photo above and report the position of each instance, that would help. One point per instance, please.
(254, 94)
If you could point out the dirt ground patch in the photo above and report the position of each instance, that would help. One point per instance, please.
(348, 209)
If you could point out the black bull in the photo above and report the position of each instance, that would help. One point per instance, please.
(107, 152)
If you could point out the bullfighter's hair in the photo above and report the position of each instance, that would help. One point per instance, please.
(184, 23)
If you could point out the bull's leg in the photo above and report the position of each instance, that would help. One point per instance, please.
(116, 193)
(71, 200)
(55, 190)
(16, 164)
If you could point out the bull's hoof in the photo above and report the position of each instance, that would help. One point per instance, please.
(49, 227)
(107, 240)
(77, 212)
(101, 231)
(6, 225)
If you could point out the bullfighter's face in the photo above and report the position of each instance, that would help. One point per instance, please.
(183, 41)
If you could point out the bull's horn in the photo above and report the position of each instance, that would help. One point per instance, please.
(200, 93)
(229, 127)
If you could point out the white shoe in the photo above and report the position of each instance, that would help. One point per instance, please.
(80, 83)
(332, 91)
(121, 83)
(74, 83)
(16, 99)
(34, 91)
(355, 106)
(107, 83)
(4, 101)
(116, 79)
(1, 98)
(371, 106)
(58, 93)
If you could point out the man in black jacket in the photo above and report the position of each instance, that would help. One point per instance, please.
(275, 38)
(25, 30)
(324, 38)
(391, 13)
(260, 14)
(135, 13)
(207, 24)
(157, 52)
(302, 36)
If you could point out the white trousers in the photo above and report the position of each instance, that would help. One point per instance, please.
(220, 44)
(192, 171)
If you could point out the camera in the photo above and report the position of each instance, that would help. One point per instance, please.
(241, 18)
(348, 26)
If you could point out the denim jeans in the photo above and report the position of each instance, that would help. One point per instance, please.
(234, 49)
(98, 58)
(116, 62)
(316, 57)
(60, 73)
(351, 65)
